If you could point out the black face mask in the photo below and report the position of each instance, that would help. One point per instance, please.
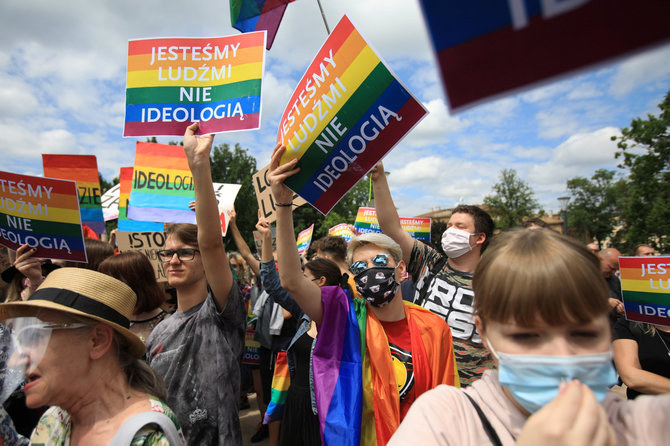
(377, 285)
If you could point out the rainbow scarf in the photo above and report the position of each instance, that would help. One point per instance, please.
(280, 384)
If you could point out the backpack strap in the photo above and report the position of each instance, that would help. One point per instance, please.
(124, 436)
(490, 432)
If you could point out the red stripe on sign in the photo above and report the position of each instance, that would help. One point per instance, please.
(375, 150)
(70, 161)
(656, 320)
(137, 128)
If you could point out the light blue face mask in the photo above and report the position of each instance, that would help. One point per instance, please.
(533, 380)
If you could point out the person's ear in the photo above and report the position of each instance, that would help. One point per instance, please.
(480, 329)
(401, 271)
(480, 238)
(322, 281)
(102, 338)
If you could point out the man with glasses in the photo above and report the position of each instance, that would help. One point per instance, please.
(197, 350)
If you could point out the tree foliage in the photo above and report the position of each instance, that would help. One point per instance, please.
(645, 151)
(511, 200)
(593, 210)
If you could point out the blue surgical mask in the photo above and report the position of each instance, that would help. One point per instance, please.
(533, 380)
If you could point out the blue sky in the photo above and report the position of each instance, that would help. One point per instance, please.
(62, 90)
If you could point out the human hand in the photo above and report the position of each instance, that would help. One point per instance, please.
(28, 265)
(376, 171)
(197, 148)
(232, 217)
(617, 305)
(574, 417)
(277, 174)
(263, 226)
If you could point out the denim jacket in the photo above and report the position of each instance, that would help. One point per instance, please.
(272, 284)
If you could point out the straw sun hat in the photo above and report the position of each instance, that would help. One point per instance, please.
(87, 293)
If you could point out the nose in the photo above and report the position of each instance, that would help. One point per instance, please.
(559, 346)
(19, 359)
(174, 259)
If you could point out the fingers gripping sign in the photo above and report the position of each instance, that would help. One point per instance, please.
(279, 173)
(197, 148)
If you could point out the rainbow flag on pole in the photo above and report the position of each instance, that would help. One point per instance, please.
(346, 113)
(645, 285)
(258, 15)
(84, 170)
(172, 82)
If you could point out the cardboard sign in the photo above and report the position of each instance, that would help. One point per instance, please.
(110, 203)
(84, 170)
(148, 243)
(645, 285)
(305, 239)
(266, 202)
(126, 224)
(173, 82)
(258, 241)
(492, 47)
(366, 221)
(346, 113)
(342, 230)
(42, 213)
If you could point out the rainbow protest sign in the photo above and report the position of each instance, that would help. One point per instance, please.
(342, 230)
(162, 184)
(84, 170)
(366, 221)
(43, 213)
(126, 224)
(172, 82)
(304, 239)
(346, 113)
(645, 285)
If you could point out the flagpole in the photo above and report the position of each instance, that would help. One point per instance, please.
(323, 16)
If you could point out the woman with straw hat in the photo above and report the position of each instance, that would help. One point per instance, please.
(72, 341)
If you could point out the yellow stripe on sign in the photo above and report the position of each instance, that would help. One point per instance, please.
(213, 76)
(651, 285)
(352, 78)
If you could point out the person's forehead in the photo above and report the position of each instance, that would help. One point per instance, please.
(462, 219)
(174, 242)
(366, 252)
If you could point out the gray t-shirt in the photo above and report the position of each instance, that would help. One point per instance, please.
(198, 353)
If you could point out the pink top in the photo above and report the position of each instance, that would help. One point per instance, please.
(444, 416)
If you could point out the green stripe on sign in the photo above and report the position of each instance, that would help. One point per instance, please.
(351, 112)
(647, 298)
(163, 95)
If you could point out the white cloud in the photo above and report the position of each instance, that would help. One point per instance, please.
(436, 126)
(650, 67)
(557, 122)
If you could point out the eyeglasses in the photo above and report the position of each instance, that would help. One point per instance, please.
(379, 260)
(183, 254)
(39, 334)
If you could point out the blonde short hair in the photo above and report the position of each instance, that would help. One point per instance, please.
(373, 238)
(529, 274)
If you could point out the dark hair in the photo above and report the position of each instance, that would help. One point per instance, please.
(535, 222)
(96, 252)
(138, 373)
(186, 232)
(325, 268)
(135, 270)
(483, 221)
(333, 246)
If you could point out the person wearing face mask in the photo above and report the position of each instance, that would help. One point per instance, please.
(553, 353)
(374, 355)
(443, 285)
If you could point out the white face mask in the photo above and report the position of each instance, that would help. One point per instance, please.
(456, 242)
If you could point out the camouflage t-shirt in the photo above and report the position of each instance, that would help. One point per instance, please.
(198, 354)
(448, 293)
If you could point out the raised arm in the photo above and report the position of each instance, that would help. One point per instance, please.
(241, 245)
(214, 258)
(631, 371)
(305, 292)
(387, 216)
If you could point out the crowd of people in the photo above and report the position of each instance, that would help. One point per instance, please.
(517, 338)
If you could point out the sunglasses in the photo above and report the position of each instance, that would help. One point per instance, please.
(380, 260)
(183, 254)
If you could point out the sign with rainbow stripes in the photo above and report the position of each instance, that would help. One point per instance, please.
(126, 224)
(342, 230)
(172, 82)
(304, 239)
(366, 221)
(346, 113)
(645, 285)
(43, 213)
(84, 170)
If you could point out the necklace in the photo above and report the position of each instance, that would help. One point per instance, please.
(664, 344)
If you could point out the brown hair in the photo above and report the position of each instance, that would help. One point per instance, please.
(186, 232)
(134, 269)
(526, 274)
(333, 246)
(96, 252)
(325, 268)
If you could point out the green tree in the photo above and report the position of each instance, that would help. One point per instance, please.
(645, 151)
(593, 210)
(511, 200)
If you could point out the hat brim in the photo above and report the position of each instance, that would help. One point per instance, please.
(21, 308)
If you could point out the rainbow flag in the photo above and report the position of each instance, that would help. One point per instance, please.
(304, 239)
(125, 224)
(346, 113)
(258, 15)
(172, 82)
(342, 230)
(645, 286)
(84, 170)
(43, 213)
(281, 380)
(366, 221)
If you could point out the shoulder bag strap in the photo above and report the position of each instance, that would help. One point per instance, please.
(490, 432)
(124, 436)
